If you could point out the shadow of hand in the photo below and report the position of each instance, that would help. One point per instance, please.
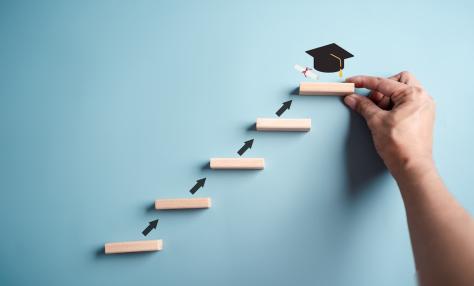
(363, 164)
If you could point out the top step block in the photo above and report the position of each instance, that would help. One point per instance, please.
(326, 88)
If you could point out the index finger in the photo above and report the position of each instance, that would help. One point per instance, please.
(383, 85)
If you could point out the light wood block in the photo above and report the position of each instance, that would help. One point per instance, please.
(326, 88)
(238, 163)
(176, 204)
(280, 124)
(133, 246)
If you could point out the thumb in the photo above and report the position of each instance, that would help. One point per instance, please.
(362, 104)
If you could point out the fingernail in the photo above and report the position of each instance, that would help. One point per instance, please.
(350, 101)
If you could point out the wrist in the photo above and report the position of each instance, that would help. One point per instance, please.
(413, 175)
(418, 181)
(413, 168)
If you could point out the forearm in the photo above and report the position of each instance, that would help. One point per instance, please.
(441, 231)
(400, 115)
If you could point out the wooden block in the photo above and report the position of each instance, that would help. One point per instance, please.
(133, 246)
(326, 88)
(280, 124)
(238, 163)
(176, 204)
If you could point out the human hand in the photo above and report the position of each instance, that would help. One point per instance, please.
(400, 115)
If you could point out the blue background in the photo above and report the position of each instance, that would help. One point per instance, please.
(106, 106)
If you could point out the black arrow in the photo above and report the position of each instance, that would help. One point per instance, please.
(286, 105)
(248, 144)
(151, 225)
(199, 184)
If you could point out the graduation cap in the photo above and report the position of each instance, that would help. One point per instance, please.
(329, 58)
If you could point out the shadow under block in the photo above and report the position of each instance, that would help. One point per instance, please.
(280, 124)
(177, 204)
(238, 163)
(133, 246)
(326, 88)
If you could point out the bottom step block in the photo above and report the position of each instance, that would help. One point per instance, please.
(133, 246)
(176, 204)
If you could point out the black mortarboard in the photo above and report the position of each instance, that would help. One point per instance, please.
(329, 58)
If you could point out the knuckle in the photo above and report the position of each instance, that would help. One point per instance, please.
(398, 94)
(414, 93)
(409, 92)
(405, 74)
(418, 89)
(379, 81)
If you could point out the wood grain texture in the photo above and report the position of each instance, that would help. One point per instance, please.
(326, 88)
(238, 163)
(280, 124)
(133, 246)
(176, 204)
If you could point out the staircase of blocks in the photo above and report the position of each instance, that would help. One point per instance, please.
(234, 163)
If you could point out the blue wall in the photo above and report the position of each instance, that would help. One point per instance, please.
(106, 106)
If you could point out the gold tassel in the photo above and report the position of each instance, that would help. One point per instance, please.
(340, 64)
